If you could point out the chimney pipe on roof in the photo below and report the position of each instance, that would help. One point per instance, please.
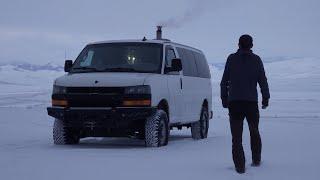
(159, 32)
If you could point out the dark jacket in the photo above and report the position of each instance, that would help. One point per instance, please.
(243, 71)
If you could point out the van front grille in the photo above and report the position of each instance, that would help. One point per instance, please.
(95, 96)
(94, 100)
(96, 90)
(98, 96)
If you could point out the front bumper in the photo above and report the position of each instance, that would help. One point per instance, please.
(104, 117)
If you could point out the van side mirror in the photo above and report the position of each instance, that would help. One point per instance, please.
(67, 65)
(176, 65)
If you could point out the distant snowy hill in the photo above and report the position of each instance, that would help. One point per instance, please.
(33, 67)
(282, 68)
(24, 84)
(24, 74)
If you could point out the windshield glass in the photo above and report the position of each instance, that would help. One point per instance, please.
(120, 57)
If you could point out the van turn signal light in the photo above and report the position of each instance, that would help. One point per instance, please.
(56, 102)
(143, 102)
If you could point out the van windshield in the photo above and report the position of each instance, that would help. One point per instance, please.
(119, 57)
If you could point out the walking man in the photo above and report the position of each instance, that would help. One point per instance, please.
(243, 71)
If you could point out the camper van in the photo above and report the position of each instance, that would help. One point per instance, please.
(132, 88)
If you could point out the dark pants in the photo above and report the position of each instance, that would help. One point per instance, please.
(238, 111)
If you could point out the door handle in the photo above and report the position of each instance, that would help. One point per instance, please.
(180, 83)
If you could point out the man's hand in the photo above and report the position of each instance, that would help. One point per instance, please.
(225, 103)
(265, 103)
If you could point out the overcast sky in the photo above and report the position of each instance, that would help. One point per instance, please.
(40, 31)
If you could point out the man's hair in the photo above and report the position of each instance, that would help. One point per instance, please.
(245, 42)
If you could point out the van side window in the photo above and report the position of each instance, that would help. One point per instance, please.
(202, 65)
(189, 66)
(169, 56)
(192, 61)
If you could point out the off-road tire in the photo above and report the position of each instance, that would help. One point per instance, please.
(63, 134)
(199, 129)
(157, 129)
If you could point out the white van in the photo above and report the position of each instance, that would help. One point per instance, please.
(132, 88)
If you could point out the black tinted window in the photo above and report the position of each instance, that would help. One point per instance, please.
(131, 57)
(189, 66)
(202, 65)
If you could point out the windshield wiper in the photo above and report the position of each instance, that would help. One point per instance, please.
(86, 68)
(117, 69)
(121, 69)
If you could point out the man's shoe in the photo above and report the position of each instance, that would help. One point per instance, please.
(240, 170)
(255, 164)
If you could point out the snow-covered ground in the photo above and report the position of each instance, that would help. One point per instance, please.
(26, 85)
(289, 129)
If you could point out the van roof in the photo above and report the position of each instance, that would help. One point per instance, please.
(159, 41)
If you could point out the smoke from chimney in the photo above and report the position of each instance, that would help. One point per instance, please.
(197, 8)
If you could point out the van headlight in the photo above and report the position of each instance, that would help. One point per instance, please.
(59, 90)
(143, 89)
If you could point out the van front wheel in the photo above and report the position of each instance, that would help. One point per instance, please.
(199, 129)
(157, 129)
(63, 134)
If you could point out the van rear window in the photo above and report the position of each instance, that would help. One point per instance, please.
(202, 65)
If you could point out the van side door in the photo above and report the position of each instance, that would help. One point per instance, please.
(174, 80)
(192, 86)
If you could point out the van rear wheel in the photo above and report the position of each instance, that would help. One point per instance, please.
(199, 129)
(157, 129)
